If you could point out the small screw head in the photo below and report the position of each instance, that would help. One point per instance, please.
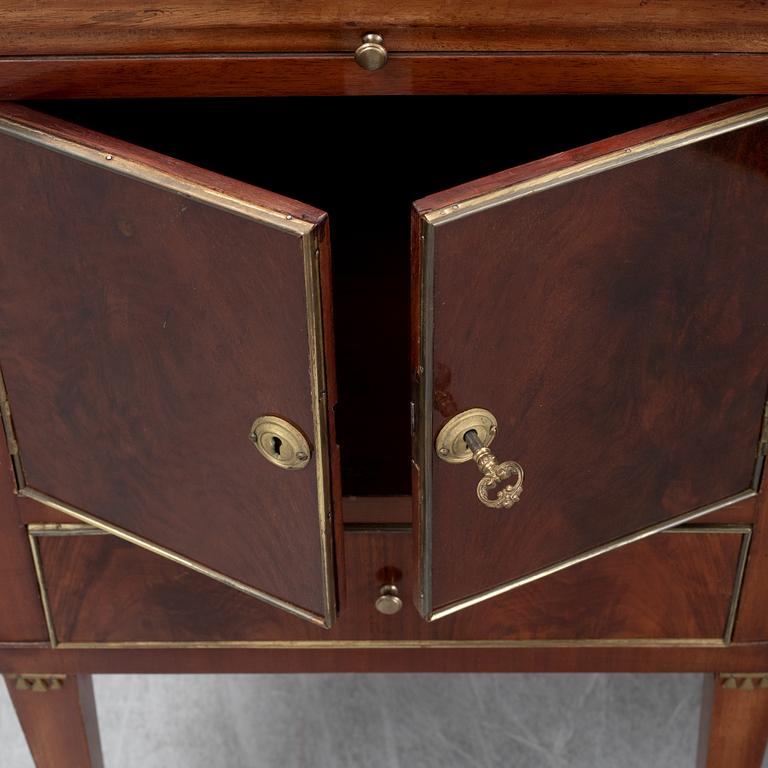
(443, 451)
(109, 157)
(301, 455)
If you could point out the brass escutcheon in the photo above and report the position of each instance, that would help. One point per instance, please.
(280, 443)
(451, 445)
(467, 436)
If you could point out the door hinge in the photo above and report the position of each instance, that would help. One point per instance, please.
(10, 437)
(764, 434)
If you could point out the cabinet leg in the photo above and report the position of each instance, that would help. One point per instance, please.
(734, 721)
(58, 716)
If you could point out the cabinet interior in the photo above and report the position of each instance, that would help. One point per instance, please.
(365, 160)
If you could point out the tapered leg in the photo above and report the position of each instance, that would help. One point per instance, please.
(58, 717)
(734, 721)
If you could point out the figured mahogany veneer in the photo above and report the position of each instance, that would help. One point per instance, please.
(678, 586)
(86, 26)
(110, 77)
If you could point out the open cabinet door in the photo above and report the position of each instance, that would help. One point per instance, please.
(607, 309)
(150, 313)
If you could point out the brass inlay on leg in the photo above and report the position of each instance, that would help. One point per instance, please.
(750, 681)
(38, 683)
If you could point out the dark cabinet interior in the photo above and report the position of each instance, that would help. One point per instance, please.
(364, 161)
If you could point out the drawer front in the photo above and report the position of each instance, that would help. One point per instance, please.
(681, 586)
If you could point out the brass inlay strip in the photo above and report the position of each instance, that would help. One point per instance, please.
(738, 582)
(399, 644)
(317, 374)
(600, 164)
(42, 589)
(424, 429)
(36, 530)
(307, 235)
(155, 177)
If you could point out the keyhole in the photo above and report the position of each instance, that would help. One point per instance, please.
(276, 445)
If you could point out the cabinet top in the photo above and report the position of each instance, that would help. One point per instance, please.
(67, 27)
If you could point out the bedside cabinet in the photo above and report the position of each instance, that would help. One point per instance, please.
(466, 373)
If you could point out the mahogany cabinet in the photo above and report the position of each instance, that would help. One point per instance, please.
(437, 342)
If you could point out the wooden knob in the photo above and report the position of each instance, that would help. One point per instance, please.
(388, 601)
(372, 54)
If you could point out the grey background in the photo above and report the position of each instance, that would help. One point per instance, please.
(384, 721)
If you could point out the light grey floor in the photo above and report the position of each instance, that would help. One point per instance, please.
(385, 721)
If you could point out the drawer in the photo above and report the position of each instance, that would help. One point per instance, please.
(681, 586)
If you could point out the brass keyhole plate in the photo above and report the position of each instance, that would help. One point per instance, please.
(280, 443)
(450, 444)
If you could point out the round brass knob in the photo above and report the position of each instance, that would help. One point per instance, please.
(372, 54)
(388, 601)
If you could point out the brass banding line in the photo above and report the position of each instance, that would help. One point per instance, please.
(155, 177)
(43, 590)
(600, 164)
(317, 375)
(738, 583)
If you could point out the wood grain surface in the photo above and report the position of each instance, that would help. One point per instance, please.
(614, 325)
(88, 26)
(675, 586)
(142, 332)
(108, 76)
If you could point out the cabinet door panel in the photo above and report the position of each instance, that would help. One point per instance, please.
(607, 305)
(149, 312)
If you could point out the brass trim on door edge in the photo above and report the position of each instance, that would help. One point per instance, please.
(306, 232)
(423, 437)
(37, 530)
